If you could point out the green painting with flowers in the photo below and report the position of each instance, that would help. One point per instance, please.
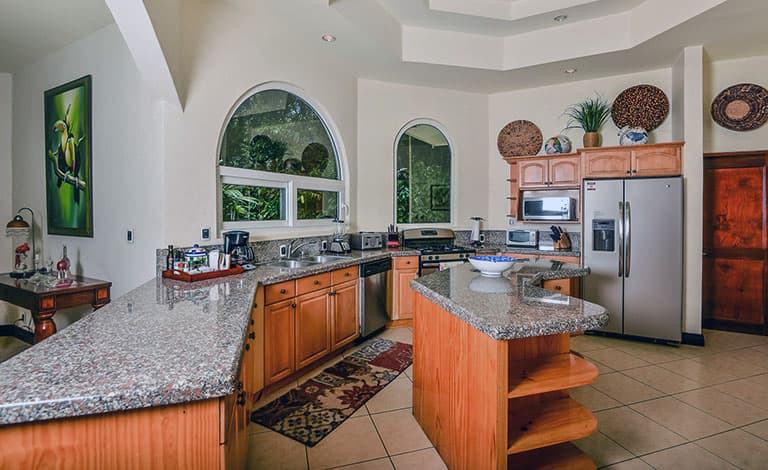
(68, 173)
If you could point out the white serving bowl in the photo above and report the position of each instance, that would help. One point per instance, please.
(491, 266)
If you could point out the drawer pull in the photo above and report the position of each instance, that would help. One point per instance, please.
(347, 274)
(252, 335)
(247, 347)
(407, 262)
(317, 282)
(282, 291)
(293, 305)
(241, 399)
(556, 288)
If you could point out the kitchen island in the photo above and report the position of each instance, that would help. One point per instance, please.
(492, 367)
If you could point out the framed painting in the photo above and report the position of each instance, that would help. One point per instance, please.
(68, 172)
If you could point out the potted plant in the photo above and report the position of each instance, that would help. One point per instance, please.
(589, 115)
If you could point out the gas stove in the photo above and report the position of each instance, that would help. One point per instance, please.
(437, 248)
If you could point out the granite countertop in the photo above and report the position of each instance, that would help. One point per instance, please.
(162, 343)
(513, 306)
(492, 248)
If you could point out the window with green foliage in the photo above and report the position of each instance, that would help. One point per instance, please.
(278, 164)
(422, 176)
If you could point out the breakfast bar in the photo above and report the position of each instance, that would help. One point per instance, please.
(492, 367)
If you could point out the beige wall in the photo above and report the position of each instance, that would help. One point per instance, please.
(6, 206)
(127, 160)
(223, 58)
(719, 76)
(544, 106)
(383, 109)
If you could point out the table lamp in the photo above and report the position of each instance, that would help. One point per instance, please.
(19, 230)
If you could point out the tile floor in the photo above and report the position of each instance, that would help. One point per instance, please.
(657, 407)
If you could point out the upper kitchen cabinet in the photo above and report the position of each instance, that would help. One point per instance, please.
(549, 172)
(641, 160)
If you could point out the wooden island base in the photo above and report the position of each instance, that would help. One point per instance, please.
(490, 404)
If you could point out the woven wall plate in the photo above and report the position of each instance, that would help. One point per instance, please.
(643, 106)
(742, 107)
(519, 139)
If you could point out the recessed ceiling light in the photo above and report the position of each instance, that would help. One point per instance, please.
(329, 37)
(570, 70)
(560, 18)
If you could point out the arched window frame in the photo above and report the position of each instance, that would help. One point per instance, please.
(290, 183)
(454, 152)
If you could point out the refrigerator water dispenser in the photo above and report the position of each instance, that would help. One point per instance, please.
(603, 234)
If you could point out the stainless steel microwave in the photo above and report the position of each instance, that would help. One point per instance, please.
(542, 207)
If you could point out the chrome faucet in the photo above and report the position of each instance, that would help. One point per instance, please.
(292, 249)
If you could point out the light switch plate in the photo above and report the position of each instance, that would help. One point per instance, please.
(205, 234)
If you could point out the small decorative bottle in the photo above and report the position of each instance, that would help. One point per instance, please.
(63, 265)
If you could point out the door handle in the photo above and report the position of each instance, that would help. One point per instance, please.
(621, 238)
(628, 249)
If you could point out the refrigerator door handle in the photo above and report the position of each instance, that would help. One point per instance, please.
(621, 238)
(628, 248)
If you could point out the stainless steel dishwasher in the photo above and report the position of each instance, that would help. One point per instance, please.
(373, 296)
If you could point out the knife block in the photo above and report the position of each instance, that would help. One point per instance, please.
(563, 244)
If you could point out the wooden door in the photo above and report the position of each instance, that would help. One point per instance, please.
(404, 298)
(533, 173)
(279, 326)
(657, 161)
(565, 172)
(345, 318)
(606, 163)
(313, 327)
(735, 264)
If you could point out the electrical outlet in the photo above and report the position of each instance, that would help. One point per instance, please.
(129, 235)
(482, 238)
(283, 251)
(205, 234)
(324, 246)
(512, 220)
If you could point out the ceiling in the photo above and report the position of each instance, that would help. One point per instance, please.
(32, 29)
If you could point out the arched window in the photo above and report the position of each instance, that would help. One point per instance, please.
(422, 174)
(279, 163)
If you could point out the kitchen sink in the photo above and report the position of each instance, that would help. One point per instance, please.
(292, 263)
(324, 258)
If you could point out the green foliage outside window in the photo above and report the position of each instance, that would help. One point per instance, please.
(252, 203)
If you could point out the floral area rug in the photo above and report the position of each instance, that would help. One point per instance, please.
(312, 410)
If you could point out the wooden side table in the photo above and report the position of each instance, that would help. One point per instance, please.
(44, 301)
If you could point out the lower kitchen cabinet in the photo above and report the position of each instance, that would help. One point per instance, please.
(279, 338)
(406, 269)
(312, 327)
(234, 420)
(321, 317)
(345, 321)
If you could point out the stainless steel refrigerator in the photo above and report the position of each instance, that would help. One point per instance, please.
(633, 243)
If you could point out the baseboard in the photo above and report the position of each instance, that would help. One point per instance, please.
(693, 339)
(18, 333)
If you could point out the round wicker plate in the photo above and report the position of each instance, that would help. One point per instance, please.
(519, 139)
(643, 106)
(742, 107)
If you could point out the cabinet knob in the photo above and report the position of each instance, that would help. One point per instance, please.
(251, 321)
(317, 282)
(558, 288)
(252, 335)
(407, 262)
(255, 305)
(241, 399)
(247, 347)
(239, 385)
(282, 291)
(347, 274)
(634, 171)
(293, 305)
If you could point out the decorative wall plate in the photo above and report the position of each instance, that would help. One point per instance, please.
(643, 106)
(519, 139)
(742, 107)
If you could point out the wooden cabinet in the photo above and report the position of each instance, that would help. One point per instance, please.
(571, 287)
(406, 269)
(253, 350)
(233, 423)
(320, 316)
(313, 327)
(345, 321)
(641, 160)
(279, 338)
(550, 172)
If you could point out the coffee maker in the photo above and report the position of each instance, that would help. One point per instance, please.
(236, 244)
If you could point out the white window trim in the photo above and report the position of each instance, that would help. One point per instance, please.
(291, 183)
(454, 153)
